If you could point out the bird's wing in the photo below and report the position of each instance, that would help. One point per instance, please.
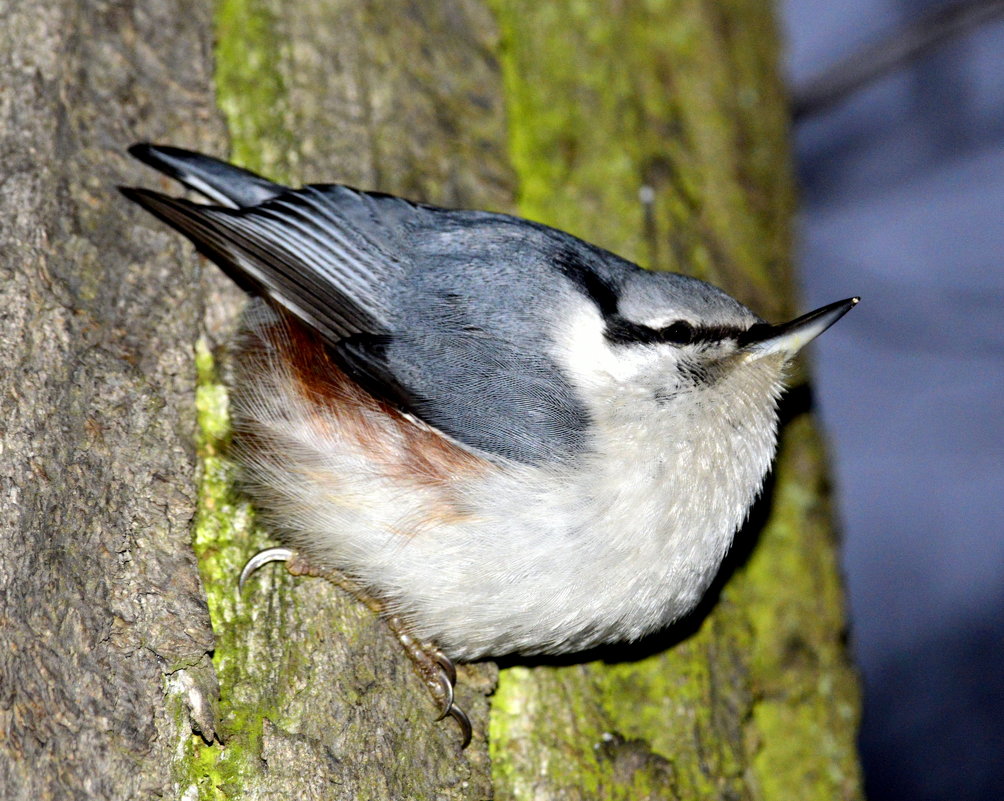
(397, 289)
(297, 249)
(222, 183)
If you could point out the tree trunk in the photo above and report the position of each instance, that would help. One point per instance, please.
(659, 132)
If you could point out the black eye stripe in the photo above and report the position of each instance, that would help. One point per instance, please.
(620, 331)
(623, 332)
(716, 333)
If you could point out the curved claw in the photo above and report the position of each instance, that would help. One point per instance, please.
(437, 668)
(447, 665)
(447, 689)
(258, 560)
(464, 722)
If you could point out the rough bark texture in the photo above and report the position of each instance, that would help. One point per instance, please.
(106, 686)
(101, 606)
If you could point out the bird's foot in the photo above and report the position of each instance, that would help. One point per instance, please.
(437, 671)
(433, 666)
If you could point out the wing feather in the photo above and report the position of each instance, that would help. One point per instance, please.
(294, 256)
(440, 312)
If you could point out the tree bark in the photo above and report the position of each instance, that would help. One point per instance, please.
(100, 600)
(657, 130)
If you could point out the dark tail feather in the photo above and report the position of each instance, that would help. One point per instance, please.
(220, 182)
(264, 256)
(184, 216)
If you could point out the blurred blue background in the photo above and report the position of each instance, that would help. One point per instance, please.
(903, 203)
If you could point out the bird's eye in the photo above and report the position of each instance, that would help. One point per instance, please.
(679, 333)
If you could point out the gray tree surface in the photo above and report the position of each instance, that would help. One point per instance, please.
(128, 668)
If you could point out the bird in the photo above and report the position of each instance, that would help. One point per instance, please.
(501, 438)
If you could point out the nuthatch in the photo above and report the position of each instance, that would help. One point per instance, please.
(504, 439)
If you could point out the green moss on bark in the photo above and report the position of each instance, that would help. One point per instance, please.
(223, 534)
(679, 104)
(680, 98)
(250, 88)
(806, 713)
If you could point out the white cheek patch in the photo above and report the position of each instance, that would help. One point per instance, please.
(589, 358)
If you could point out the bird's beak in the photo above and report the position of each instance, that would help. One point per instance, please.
(789, 338)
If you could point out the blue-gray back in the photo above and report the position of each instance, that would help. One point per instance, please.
(450, 315)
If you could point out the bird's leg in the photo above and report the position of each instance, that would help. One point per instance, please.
(434, 667)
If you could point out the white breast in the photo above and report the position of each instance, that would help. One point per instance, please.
(614, 546)
(486, 560)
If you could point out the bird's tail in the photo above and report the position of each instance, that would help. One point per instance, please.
(220, 182)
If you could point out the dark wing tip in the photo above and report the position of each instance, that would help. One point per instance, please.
(132, 192)
(175, 211)
(161, 157)
(223, 183)
(191, 220)
(141, 151)
(154, 202)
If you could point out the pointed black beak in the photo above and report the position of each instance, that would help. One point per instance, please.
(789, 338)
